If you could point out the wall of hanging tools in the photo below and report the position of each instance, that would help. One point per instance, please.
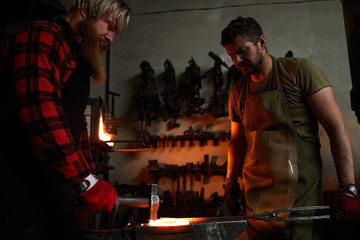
(178, 201)
(164, 114)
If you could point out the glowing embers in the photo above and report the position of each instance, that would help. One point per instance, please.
(167, 222)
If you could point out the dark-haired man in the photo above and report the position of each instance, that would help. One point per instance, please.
(274, 148)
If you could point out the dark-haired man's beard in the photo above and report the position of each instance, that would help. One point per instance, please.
(257, 63)
(91, 49)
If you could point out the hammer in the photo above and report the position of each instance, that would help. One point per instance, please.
(139, 202)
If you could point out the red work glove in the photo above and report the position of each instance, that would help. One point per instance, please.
(97, 196)
(345, 205)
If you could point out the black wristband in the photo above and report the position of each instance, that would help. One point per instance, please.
(351, 188)
(81, 186)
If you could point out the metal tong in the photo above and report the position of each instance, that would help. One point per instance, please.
(273, 216)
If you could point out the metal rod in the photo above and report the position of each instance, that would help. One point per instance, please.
(107, 83)
(132, 150)
(113, 120)
(136, 202)
(124, 141)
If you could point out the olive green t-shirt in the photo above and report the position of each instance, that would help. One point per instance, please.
(299, 79)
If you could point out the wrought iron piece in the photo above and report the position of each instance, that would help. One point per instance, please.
(199, 231)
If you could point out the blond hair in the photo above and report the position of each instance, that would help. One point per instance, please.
(101, 8)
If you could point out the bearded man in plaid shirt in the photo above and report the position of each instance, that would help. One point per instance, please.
(45, 72)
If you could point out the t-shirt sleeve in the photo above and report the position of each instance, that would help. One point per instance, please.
(234, 105)
(310, 78)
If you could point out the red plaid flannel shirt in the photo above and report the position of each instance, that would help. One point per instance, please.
(41, 61)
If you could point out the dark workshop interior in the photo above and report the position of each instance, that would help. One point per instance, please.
(159, 127)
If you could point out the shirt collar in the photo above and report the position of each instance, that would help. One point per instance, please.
(68, 30)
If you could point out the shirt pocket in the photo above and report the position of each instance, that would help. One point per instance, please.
(69, 67)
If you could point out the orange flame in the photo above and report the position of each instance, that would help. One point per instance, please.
(103, 135)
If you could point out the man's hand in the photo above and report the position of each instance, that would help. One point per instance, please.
(232, 199)
(97, 196)
(345, 205)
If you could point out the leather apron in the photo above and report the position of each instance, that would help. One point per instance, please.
(270, 171)
(76, 90)
(75, 95)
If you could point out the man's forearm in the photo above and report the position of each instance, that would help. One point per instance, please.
(236, 155)
(342, 153)
(236, 151)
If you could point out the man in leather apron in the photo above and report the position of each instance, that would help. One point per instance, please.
(45, 69)
(274, 146)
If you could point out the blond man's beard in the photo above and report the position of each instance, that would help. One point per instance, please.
(91, 50)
